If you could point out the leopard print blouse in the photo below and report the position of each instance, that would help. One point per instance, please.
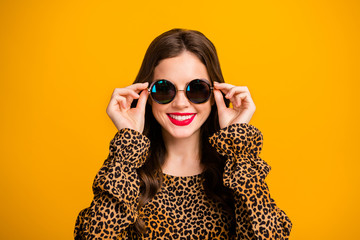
(181, 210)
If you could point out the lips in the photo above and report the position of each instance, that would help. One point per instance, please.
(181, 119)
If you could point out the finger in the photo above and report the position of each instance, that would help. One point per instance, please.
(125, 92)
(124, 102)
(220, 103)
(228, 88)
(141, 104)
(138, 87)
(129, 96)
(121, 101)
(224, 87)
(236, 90)
(238, 99)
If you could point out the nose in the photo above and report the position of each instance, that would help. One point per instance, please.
(180, 99)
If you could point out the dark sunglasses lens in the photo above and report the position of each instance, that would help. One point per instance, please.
(163, 91)
(198, 91)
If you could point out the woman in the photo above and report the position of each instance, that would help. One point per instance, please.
(183, 164)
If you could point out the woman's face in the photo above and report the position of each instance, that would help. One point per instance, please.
(181, 118)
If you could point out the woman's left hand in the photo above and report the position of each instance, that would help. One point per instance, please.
(243, 105)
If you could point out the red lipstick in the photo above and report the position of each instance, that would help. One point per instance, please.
(181, 119)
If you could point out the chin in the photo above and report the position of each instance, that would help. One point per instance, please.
(181, 133)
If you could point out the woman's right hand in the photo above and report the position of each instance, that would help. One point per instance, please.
(120, 111)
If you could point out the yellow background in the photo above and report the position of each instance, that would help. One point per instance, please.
(61, 60)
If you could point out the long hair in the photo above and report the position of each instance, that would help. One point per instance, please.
(167, 45)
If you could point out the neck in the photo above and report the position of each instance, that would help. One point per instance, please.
(182, 155)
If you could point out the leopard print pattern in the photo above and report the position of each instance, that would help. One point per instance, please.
(116, 189)
(257, 216)
(181, 210)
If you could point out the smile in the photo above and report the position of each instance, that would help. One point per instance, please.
(181, 119)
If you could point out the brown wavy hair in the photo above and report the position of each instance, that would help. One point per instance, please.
(167, 45)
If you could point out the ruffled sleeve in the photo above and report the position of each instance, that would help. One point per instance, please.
(116, 189)
(257, 215)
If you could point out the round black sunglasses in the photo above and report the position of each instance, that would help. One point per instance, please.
(163, 91)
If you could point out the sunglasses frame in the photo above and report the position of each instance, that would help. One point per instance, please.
(176, 90)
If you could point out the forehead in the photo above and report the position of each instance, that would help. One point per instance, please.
(181, 69)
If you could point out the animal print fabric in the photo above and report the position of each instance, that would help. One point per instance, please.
(181, 210)
(257, 216)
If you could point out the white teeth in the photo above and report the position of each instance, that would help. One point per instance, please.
(181, 118)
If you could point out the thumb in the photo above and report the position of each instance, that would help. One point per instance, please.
(220, 103)
(141, 104)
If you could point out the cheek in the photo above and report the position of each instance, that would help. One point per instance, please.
(205, 110)
(158, 111)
